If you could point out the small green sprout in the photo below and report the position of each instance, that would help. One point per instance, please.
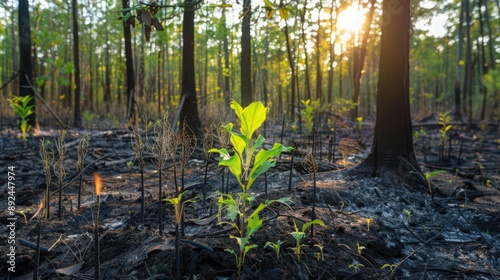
(129, 164)
(341, 204)
(368, 222)
(359, 248)
(356, 266)
(428, 177)
(390, 266)
(276, 246)
(298, 235)
(360, 123)
(409, 213)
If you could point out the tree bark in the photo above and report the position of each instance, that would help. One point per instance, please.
(189, 111)
(457, 113)
(129, 63)
(393, 128)
(246, 56)
(25, 66)
(77, 119)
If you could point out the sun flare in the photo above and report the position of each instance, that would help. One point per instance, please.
(351, 20)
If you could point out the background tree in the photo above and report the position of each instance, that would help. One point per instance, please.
(246, 55)
(77, 121)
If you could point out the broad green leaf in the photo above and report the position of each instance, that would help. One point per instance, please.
(258, 142)
(259, 170)
(313, 222)
(267, 4)
(254, 224)
(253, 117)
(242, 241)
(239, 143)
(230, 205)
(233, 162)
(263, 155)
(297, 235)
(249, 247)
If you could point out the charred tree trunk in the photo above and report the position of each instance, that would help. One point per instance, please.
(77, 120)
(457, 114)
(291, 62)
(393, 104)
(189, 111)
(25, 66)
(129, 62)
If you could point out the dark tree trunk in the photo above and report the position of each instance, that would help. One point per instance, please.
(467, 94)
(393, 128)
(107, 77)
(307, 78)
(189, 111)
(25, 67)
(331, 59)
(457, 114)
(77, 121)
(129, 63)
(246, 55)
(291, 62)
(227, 92)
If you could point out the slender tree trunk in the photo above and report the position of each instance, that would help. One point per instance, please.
(129, 63)
(291, 62)
(468, 64)
(246, 55)
(331, 60)
(107, 76)
(226, 90)
(77, 120)
(26, 69)
(457, 115)
(393, 102)
(319, 74)
(484, 64)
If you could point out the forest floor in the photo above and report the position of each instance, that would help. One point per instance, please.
(369, 224)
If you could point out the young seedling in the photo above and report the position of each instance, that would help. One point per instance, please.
(389, 266)
(444, 120)
(59, 169)
(246, 224)
(355, 266)
(82, 150)
(360, 126)
(276, 246)
(162, 131)
(359, 248)
(208, 143)
(368, 222)
(23, 109)
(308, 113)
(246, 166)
(97, 262)
(409, 213)
(139, 147)
(47, 155)
(178, 203)
(299, 235)
(310, 164)
(428, 177)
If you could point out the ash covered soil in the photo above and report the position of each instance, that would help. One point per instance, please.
(374, 229)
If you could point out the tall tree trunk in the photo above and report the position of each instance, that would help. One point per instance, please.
(246, 55)
(25, 67)
(226, 90)
(393, 98)
(291, 62)
(467, 94)
(457, 114)
(129, 63)
(107, 75)
(484, 64)
(77, 120)
(359, 60)
(189, 111)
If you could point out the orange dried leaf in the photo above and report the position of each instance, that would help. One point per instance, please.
(98, 183)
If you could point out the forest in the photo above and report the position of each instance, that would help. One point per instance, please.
(264, 139)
